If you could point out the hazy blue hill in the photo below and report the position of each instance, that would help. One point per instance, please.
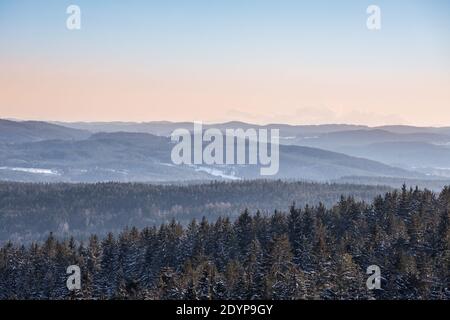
(317, 164)
(409, 154)
(338, 140)
(126, 151)
(124, 156)
(161, 128)
(413, 129)
(26, 131)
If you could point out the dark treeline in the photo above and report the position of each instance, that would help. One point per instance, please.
(308, 253)
(29, 212)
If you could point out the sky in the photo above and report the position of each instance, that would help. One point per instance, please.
(260, 61)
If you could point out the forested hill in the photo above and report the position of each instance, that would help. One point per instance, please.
(309, 253)
(29, 212)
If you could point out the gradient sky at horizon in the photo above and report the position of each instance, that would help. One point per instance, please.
(300, 62)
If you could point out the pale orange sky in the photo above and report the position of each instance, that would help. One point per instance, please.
(300, 95)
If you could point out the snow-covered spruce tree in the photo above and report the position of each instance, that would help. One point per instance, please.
(110, 271)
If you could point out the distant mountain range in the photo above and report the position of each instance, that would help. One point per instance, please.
(166, 127)
(121, 151)
(29, 131)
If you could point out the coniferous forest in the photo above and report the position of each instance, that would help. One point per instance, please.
(30, 211)
(308, 252)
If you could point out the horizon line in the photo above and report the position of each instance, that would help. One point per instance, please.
(220, 123)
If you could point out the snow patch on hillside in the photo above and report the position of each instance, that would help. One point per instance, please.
(32, 170)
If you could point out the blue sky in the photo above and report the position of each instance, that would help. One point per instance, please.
(230, 30)
(217, 36)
